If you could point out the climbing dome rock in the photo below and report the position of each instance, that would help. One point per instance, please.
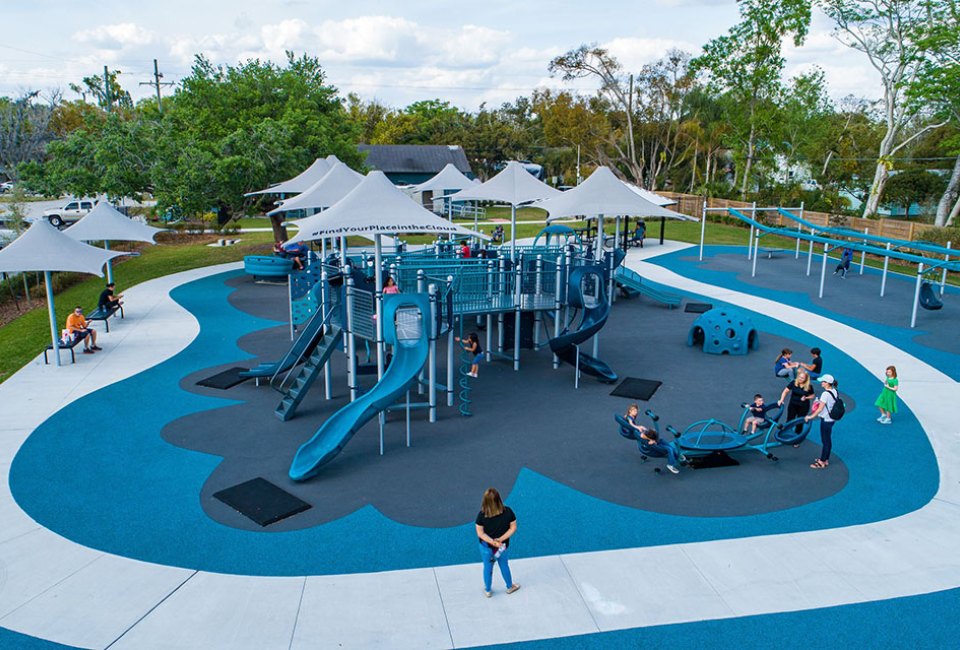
(724, 330)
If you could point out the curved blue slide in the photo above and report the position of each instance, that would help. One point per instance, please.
(405, 322)
(301, 349)
(595, 314)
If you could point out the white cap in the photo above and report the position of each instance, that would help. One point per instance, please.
(827, 379)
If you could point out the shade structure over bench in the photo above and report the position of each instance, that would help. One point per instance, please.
(105, 223)
(44, 248)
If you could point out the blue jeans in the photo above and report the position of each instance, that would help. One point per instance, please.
(826, 439)
(663, 449)
(486, 556)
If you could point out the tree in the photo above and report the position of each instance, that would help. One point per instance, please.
(938, 84)
(886, 32)
(574, 122)
(230, 130)
(105, 98)
(747, 64)
(913, 186)
(593, 61)
(24, 129)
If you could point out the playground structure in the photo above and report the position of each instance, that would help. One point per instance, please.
(724, 330)
(550, 295)
(929, 269)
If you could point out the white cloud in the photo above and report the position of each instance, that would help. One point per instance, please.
(115, 37)
(634, 53)
(373, 39)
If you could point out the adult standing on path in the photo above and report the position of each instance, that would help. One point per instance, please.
(496, 524)
(800, 393)
(822, 408)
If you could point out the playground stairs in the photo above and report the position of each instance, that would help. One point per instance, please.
(632, 282)
(311, 369)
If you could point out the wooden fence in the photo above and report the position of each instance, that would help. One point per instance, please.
(691, 204)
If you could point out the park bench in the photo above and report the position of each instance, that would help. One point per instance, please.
(63, 346)
(104, 314)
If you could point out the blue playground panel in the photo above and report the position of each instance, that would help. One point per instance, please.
(724, 330)
(267, 266)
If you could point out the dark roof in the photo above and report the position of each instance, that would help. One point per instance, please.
(414, 158)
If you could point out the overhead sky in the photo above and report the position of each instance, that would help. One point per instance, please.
(465, 53)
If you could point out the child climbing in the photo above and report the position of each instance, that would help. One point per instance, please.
(472, 345)
(887, 401)
(846, 256)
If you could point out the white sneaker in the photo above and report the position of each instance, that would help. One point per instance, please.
(881, 419)
(886, 421)
(673, 469)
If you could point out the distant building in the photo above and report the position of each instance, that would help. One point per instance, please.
(414, 163)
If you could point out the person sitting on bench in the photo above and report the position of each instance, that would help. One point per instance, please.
(650, 443)
(108, 301)
(296, 252)
(640, 233)
(78, 328)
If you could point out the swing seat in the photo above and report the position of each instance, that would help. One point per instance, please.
(929, 298)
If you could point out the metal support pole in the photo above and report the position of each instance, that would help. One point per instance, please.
(106, 246)
(703, 226)
(290, 305)
(823, 269)
(799, 230)
(421, 288)
(810, 252)
(576, 373)
(616, 238)
(432, 362)
(450, 362)
(502, 288)
(916, 295)
(517, 295)
(556, 308)
(538, 313)
(886, 265)
(598, 249)
(513, 232)
(753, 216)
(863, 253)
(378, 302)
(325, 308)
(51, 311)
(351, 339)
(943, 278)
(756, 250)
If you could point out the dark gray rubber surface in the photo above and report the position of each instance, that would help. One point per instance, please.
(533, 418)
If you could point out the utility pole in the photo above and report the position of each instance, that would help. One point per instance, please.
(157, 76)
(106, 87)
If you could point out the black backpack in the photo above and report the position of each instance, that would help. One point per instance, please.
(839, 409)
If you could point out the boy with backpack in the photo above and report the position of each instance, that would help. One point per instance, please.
(829, 408)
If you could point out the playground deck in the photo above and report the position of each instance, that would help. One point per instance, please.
(127, 547)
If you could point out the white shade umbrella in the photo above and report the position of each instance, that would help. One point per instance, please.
(448, 178)
(105, 223)
(334, 185)
(653, 197)
(514, 185)
(301, 181)
(44, 248)
(604, 194)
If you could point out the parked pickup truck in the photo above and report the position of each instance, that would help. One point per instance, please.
(69, 213)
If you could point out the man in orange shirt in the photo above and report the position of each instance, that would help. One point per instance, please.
(78, 328)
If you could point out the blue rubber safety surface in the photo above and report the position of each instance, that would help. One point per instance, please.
(10, 640)
(128, 473)
(919, 622)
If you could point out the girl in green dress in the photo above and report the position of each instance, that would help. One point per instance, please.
(887, 402)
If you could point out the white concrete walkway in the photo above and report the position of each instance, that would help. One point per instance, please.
(55, 589)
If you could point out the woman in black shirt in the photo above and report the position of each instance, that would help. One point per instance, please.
(496, 524)
(801, 393)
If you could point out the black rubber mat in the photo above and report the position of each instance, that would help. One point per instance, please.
(634, 388)
(224, 380)
(697, 307)
(262, 501)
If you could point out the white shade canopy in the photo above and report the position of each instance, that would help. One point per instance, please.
(448, 178)
(44, 248)
(106, 223)
(513, 186)
(302, 181)
(334, 185)
(603, 194)
(374, 207)
(653, 197)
